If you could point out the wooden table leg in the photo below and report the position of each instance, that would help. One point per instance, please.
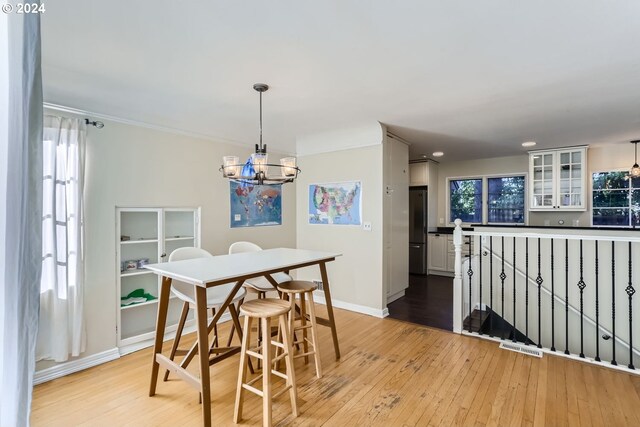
(327, 297)
(194, 348)
(203, 354)
(161, 322)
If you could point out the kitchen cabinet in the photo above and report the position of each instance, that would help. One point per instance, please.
(558, 179)
(419, 174)
(396, 218)
(423, 174)
(437, 253)
(442, 253)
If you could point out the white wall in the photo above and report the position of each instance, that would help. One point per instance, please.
(599, 158)
(135, 166)
(357, 276)
(364, 135)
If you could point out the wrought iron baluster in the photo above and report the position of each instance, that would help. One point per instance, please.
(630, 291)
(597, 307)
(491, 286)
(515, 293)
(566, 296)
(526, 290)
(470, 274)
(502, 277)
(539, 281)
(553, 297)
(581, 286)
(613, 302)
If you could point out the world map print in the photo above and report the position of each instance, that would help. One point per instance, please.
(255, 205)
(335, 203)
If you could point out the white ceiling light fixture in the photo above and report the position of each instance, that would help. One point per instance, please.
(529, 144)
(437, 154)
(634, 172)
(256, 169)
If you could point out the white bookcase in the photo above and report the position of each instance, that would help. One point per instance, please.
(148, 233)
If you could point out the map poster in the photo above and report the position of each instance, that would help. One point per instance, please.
(255, 205)
(335, 203)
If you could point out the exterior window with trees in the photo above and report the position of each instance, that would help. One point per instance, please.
(506, 200)
(465, 197)
(504, 197)
(615, 199)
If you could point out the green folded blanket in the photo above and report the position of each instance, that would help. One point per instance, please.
(136, 297)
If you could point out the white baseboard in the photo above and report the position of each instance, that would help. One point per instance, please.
(66, 368)
(397, 295)
(441, 273)
(318, 296)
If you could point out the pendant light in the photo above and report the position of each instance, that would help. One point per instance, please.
(257, 170)
(634, 172)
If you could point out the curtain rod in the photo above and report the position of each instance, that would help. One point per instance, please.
(95, 123)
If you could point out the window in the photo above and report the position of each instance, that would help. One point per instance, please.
(506, 200)
(504, 197)
(616, 199)
(465, 197)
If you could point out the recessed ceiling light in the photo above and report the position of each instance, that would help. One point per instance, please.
(424, 156)
(438, 154)
(529, 144)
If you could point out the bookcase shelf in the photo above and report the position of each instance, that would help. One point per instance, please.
(154, 233)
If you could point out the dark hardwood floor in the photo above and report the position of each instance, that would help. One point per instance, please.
(428, 301)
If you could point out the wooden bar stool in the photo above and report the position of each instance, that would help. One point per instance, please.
(257, 285)
(304, 290)
(264, 310)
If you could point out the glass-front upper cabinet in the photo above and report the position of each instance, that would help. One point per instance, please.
(558, 179)
(543, 174)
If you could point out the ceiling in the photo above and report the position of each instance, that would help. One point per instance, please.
(471, 78)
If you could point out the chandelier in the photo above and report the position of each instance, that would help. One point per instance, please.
(257, 170)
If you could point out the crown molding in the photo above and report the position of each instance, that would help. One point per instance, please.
(166, 129)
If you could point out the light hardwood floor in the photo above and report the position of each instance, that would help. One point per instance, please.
(391, 374)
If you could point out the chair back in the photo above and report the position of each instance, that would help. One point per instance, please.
(239, 247)
(182, 290)
(188, 253)
(260, 284)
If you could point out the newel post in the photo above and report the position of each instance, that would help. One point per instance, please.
(457, 278)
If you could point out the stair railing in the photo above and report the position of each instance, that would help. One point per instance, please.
(589, 276)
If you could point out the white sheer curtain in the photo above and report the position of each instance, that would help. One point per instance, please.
(61, 328)
(21, 181)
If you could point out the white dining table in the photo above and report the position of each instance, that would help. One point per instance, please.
(204, 273)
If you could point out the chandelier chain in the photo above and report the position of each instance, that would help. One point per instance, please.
(261, 120)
